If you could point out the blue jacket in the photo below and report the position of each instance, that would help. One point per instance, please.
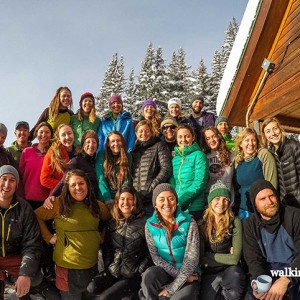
(123, 124)
(172, 250)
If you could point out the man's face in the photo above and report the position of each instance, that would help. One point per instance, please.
(266, 203)
(197, 106)
(8, 186)
(22, 134)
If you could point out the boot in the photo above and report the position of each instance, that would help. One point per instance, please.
(2, 289)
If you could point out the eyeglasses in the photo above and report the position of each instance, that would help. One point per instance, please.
(166, 127)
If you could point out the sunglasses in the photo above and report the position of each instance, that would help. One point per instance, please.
(168, 127)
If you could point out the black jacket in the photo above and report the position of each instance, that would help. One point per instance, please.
(126, 249)
(20, 235)
(151, 165)
(287, 159)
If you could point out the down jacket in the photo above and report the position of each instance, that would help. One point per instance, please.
(126, 242)
(151, 165)
(20, 235)
(287, 159)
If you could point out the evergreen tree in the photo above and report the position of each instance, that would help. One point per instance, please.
(199, 80)
(130, 100)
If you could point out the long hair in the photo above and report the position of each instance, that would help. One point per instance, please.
(115, 180)
(66, 200)
(92, 114)
(240, 155)
(223, 151)
(55, 102)
(58, 162)
(213, 232)
(116, 212)
(265, 123)
(155, 122)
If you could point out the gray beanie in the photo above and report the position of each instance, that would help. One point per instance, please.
(3, 129)
(218, 189)
(163, 187)
(220, 119)
(8, 169)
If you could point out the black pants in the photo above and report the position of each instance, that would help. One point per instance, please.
(153, 280)
(229, 284)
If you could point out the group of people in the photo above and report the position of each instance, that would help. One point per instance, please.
(168, 207)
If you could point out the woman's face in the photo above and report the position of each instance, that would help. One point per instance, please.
(273, 133)
(249, 145)
(65, 99)
(166, 204)
(212, 140)
(143, 133)
(223, 127)
(87, 104)
(149, 112)
(78, 188)
(66, 136)
(90, 146)
(126, 204)
(115, 143)
(116, 108)
(168, 130)
(44, 135)
(174, 110)
(184, 137)
(219, 205)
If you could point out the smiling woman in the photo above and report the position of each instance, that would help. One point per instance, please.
(76, 214)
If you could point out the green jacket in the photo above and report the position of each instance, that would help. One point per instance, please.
(16, 151)
(229, 141)
(80, 127)
(190, 175)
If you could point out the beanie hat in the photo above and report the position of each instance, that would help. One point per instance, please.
(163, 187)
(258, 186)
(86, 95)
(89, 134)
(8, 169)
(174, 101)
(3, 129)
(198, 97)
(115, 98)
(220, 119)
(218, 189)
(149, 102)
(168, 120)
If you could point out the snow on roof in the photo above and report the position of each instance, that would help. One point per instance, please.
(237, 53)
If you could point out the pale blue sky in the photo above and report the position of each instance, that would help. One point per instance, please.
(47, 44)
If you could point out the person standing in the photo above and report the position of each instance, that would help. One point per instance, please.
(118, 120)
(286, 152)
(223, 127)
(21, 142)
(20, 249)
(85, 118)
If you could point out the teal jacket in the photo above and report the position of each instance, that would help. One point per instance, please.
(107, 192)
(80, 127)
(190, 175)
(171, 250)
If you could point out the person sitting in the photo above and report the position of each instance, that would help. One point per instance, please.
(21, 246)
(271, 242)
(167, 127)
(221, 248)
(125, 251)
(173, 241)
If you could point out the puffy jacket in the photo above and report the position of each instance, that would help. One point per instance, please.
(20, 235)
(151, 165)
(127, 243)
(190, 175)
(81, 126)
(123, 124)
(287, 159)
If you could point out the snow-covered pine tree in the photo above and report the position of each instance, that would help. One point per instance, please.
(178, 83)
(113, 83)
(130, 98)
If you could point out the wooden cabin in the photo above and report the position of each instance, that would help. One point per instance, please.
(249, 92)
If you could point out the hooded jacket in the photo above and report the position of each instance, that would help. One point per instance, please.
(272, 244)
